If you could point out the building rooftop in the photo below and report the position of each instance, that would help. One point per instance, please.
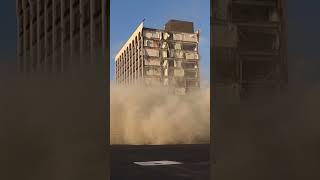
(179, 26)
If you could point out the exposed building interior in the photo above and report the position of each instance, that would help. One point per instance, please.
(249, 47)
(168, 57)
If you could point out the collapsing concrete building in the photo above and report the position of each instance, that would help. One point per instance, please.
(166, 57)
(249, 50)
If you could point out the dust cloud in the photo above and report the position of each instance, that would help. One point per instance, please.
(152, 116)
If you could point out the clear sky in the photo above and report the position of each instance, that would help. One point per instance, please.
(303, 29)
(125, 16)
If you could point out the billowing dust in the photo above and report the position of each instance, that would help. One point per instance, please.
(152, 116)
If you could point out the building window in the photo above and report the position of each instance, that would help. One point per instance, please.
(49, 20)
(87, 38)
(21, 24)
(75, 3)
(49, 44)
(99, 33)
(42, 27)
(19, 5)
(28, 40)
(97, 5)
(41, 7)
(49, 2)
(34, 36)
(76, 19)
(66, 4)
(34, 8)
(67, 30)
(86, 13)
(58, 9)
(28, 17)
(58, 38)
(21, 46)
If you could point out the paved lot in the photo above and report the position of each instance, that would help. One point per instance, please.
(194, 161)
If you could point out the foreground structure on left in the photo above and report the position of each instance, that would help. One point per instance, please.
(54, 35)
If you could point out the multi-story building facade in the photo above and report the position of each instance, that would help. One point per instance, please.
(168, 57)
(54, 35)
(249, 47)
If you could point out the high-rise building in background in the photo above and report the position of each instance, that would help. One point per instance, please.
(168, 57)
(54, 35)
(249, 47)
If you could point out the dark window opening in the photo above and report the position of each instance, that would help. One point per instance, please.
(257, 41)
(76, 18)
(258, 70)
(190, 74)
(226, 64)
(188, 65)
(86, 20)
(49, 3)
(189, 47)
(251, 13)
(191, 83)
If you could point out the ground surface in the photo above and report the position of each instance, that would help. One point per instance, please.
(194, 159)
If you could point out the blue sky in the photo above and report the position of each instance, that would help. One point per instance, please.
(126, 15)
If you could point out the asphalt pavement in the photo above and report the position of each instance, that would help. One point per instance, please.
(155, 162)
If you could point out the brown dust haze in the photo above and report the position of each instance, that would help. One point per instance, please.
(151, 116)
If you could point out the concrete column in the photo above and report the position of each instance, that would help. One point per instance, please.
(115, 73)
(81, 34)
(62, 5)
(142, 57)
(38, 35)
(127, 67)
(53, 54)
(129, 64)
(71, 33)
(31, 36)
(18, 36)
(105, 51)
(138, 58)
(92, 31)
(45, 16)
(123, 68)
(24, 37)
(136, 61)
(54, 36)
(24, 3)
(132, 67)
(30, 56)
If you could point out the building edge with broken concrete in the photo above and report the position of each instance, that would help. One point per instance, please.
(155, 57)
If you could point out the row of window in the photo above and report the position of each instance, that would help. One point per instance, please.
(135, 44)
(126, 78)
(125, 68)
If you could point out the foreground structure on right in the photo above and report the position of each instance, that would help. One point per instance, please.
(249, 51)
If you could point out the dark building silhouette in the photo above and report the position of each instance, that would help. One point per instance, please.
(249, 50)
(54, 35)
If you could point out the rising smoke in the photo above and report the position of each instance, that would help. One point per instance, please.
(152, 116)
